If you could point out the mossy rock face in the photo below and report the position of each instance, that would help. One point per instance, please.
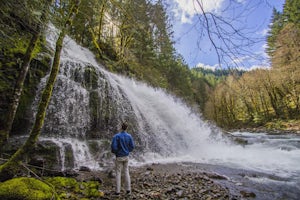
(26, 188)
(48, 152)
(9, 71)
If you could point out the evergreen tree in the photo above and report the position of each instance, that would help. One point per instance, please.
(275, 27)
(291, 11)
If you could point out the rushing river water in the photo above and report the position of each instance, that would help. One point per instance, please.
(266, 182)
(166, 129)
(267, 165)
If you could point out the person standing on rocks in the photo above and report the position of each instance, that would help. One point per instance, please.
(122, 144)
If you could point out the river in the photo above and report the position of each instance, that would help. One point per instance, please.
(267, 184)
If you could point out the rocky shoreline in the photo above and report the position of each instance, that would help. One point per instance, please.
(265, 130)
(166, 181)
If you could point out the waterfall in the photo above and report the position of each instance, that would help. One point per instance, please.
(88, 104)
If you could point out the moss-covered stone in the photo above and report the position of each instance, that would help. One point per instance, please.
(49, 151)
(69, 188)
(63, 182)
(26, 189)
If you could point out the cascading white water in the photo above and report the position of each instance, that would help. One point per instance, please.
(82, 155)
(189, 138)
(167, 129)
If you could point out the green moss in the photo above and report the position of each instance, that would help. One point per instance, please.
(92, 192)
(63, 195)
(90, 189)
(20, 43)
(26, 188)
(63, 182)
(69, 188)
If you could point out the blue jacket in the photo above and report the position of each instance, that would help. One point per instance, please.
(122, 144)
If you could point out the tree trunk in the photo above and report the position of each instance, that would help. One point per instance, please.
(102, 12)
(4, 133)
(96, 43)
(12, 164)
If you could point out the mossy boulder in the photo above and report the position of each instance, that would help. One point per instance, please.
(57, 188)
(26, 188)
(70, 188)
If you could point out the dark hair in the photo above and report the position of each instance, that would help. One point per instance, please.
(124, 126)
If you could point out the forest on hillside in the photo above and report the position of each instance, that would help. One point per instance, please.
(134, 38)
(265, 95)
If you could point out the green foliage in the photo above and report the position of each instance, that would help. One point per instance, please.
(255, 98)
(138, 43)
(291, 11)
(276, 125)
(213, 77)
(291, 14)
(275, 27)
(26, 189)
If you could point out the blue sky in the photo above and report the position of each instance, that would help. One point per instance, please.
(250, 17)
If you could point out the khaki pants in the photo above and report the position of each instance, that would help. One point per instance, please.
(122, 165)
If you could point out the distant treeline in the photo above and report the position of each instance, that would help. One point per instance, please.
(218, 73)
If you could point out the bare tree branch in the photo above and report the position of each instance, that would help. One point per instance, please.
(229, 33)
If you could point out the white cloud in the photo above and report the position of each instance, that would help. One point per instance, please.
(240, 60)
(187, 9)
(204, 66)
(263, 32)
(263, 51)
(253, 67)
(264, 47)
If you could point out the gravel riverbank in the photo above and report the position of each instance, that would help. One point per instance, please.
(165, 181)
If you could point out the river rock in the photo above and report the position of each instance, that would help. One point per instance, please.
(84, 169)
(247, 194)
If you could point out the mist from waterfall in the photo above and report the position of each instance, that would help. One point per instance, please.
(167, 130)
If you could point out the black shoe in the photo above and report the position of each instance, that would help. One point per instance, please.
(128, 192)
(117, 194)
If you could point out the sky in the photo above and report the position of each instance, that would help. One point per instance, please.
(250, 18)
